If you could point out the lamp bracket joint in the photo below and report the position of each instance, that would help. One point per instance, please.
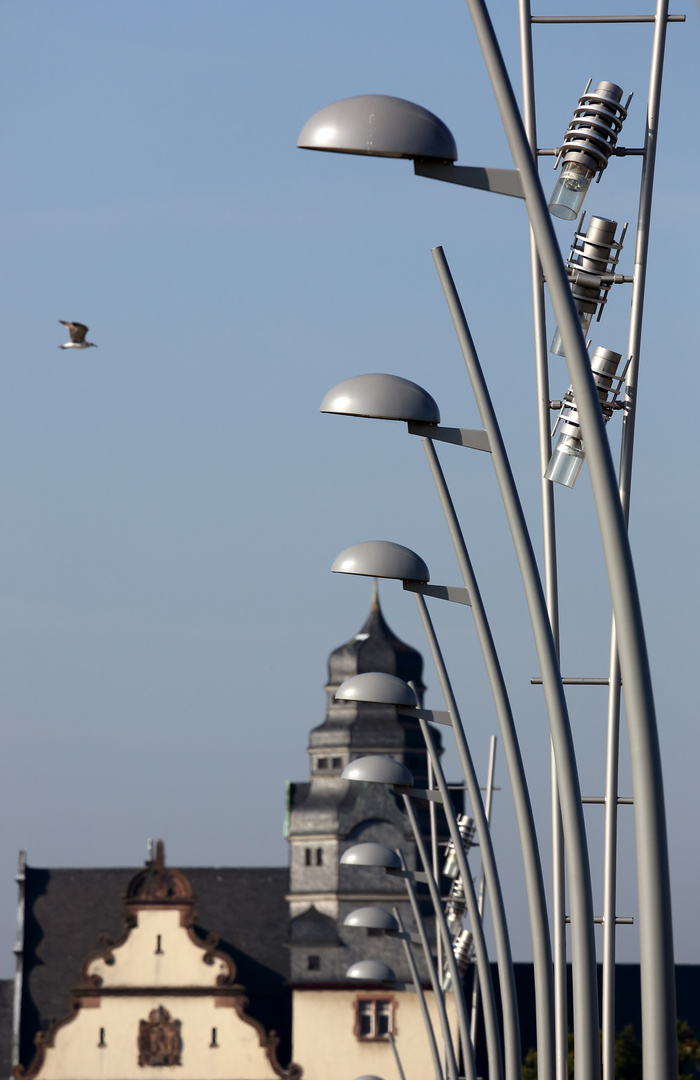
(413, 875)
(500, 181)
(434, 715)
(426, 795)
(474, 439)
(441, 592)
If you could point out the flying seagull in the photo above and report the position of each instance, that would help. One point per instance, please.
(77, 331)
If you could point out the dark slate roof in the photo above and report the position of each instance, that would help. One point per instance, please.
(68, 910)
(375, 648)
(7, 989)
(313, 928)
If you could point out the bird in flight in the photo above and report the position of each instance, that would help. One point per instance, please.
(77, 331)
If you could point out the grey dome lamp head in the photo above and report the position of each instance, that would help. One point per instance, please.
(381, 559)
(371, 971)
(379, 769)
(382, 397)
(368, 1076)
(378, 125)
(372, 918)
(371, 854)
(379, 688)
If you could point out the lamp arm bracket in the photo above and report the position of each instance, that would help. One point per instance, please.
(413, 875)
(472, 438)
(426, 795)
(434, 715)
(441, 592)
(500, 181)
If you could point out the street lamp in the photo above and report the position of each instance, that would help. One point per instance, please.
(378, 125)
(567, 457)
(390, 397)
(364, 557)
(589, 141)
(590, 268)
(377, 918)
(378, 855)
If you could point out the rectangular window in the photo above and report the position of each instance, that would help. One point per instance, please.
(319, 856)
(322, 763)
(336, 762)
(314, 963)
(374, 1017)
(308, 856)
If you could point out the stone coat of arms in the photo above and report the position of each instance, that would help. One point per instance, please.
(160, 1041)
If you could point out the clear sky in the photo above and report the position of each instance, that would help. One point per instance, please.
(171, 502)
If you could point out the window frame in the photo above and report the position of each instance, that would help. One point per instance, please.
(375, 999)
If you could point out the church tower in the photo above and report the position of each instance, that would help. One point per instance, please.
(327, 814)
(335, 1018)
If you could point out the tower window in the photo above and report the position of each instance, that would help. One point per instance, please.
(322, 763)
(319, 856)
(374, 1017)
(307, 856)
(159, 945)
(314, 963)
(102, 1044)
(213, 1044)
(336, 762)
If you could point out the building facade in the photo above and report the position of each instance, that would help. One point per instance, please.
(230, 973)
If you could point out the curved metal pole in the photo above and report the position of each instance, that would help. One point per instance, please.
(434, 980)
(441, 924)
(612, 759)
(625, 481)
(487, 853)
(534, 880)
(549, 550)
(415, 977)
(653, 878)
(582, 940)
(482, 887)
(512, 1033)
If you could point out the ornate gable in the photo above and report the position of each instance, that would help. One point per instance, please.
(158, 1001)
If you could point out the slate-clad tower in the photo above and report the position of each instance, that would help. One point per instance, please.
(329, 814)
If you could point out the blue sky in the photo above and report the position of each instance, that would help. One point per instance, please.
(172, 500)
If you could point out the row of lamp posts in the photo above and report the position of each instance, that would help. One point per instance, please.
(390, 127)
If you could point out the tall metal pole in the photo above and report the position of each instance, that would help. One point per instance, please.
(653, 881)
(625, 481)
(534, 881)
(491, 1026)
(582, 939)
(415, 978)
(549, 544)
(474, 1019)
(441, 924)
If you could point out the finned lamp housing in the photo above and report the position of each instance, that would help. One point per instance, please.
(591, 272)
(567, 458)
(589, 141)
(467, 830)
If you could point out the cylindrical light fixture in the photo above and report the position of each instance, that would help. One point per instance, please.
(567, 458)
(593, 254)
(463, 948)
(467, 829)
(590, 139)
(455, 906)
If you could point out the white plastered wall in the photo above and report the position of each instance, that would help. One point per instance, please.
(325, 1043)
(180, 965)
